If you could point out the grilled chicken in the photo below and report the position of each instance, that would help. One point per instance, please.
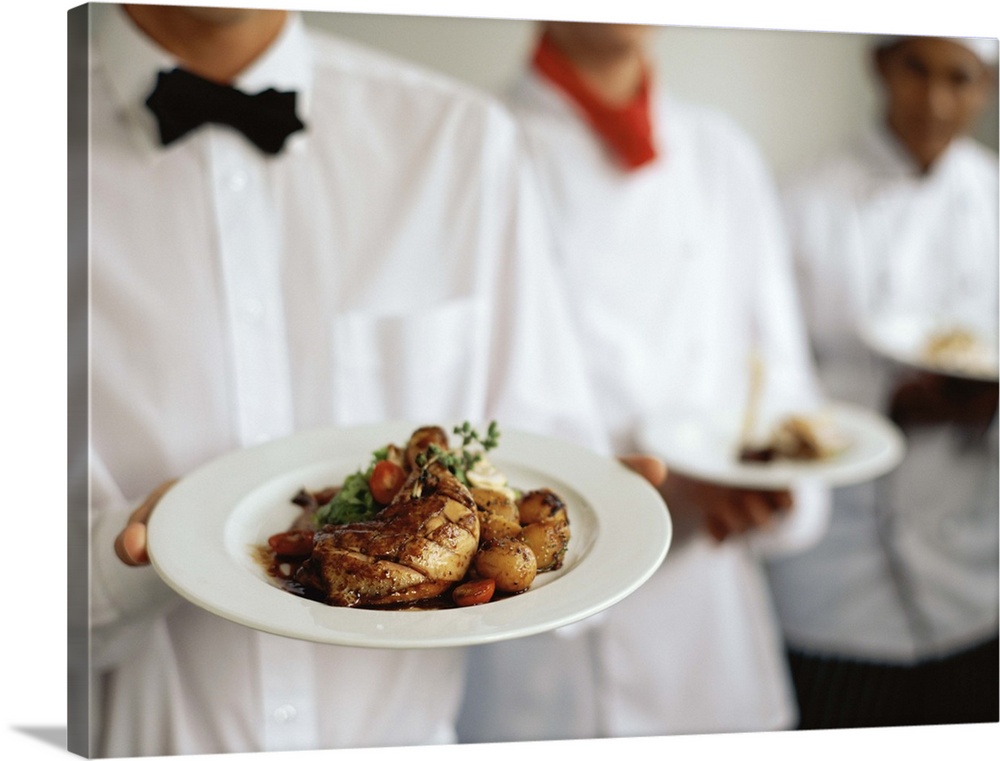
(417, 547)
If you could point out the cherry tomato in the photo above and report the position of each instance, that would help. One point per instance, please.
(294, 543)
(386, 480)
(474, 592)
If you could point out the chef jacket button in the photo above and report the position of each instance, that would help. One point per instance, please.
(284, 714)
(237, 181)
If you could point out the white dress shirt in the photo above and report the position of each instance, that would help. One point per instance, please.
(389, 264)
(676, 271)
(909, 566)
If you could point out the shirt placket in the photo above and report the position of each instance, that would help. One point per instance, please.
(250, 251)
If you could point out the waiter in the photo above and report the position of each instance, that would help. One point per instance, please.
(367, 249)
(670, 240)
(892, 618)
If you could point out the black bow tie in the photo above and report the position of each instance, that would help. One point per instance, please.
(183, 101)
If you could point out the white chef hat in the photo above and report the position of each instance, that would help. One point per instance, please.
(986, 48)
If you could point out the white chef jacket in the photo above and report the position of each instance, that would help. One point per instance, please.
(675, 271)
(390, 264)
(909, 566)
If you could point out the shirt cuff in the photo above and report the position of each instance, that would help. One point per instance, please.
(798, 529)
(120, 593)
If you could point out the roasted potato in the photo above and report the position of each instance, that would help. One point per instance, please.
(496, 502)
(549, 540)
(421, 439)
(509, 562)
(493, 526)
(539, 505)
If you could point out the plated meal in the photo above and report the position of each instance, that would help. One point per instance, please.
(839, 445)
(961, 350)
(797, 438)
(947, 347)
(425, 525)
(210, 536)
(801, 438)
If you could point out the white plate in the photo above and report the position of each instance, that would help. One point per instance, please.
(203, 533)
(902, 339)
(707, 447)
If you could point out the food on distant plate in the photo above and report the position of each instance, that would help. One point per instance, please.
(959, 349)
(424, 525)
(797, 438)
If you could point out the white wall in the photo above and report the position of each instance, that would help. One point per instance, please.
(795, 92)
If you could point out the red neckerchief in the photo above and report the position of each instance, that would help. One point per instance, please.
(626, 129)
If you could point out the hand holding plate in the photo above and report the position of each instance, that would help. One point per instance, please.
(130, 544)
(924, 398)
(651, 468)
(724, 511)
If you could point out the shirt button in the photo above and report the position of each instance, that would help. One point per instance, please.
(284, 714)
(237, 181)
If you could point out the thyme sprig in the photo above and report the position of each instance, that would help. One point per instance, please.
(463, 458)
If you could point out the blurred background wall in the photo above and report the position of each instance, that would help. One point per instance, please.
(795, 92)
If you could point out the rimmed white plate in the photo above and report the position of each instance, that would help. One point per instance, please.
(707, 447)
(902, 339)
(203, 533)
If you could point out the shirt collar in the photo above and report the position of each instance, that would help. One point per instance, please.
(132, 62)
(626, 130)
(893, 159)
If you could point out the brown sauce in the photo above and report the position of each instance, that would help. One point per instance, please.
(282, 571)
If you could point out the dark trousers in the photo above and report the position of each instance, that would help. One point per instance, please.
(838, 693)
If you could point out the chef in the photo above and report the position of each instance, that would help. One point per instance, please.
(371, 251)
(670, 239)
(892, 617)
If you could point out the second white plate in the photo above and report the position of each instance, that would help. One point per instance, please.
(706, 447)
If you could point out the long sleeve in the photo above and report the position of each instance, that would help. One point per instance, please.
(790, 379)
(125, 600)
(540, 377)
